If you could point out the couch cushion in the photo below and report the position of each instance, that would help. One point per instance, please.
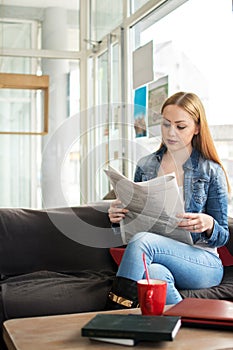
(49, 293)
(30, 241)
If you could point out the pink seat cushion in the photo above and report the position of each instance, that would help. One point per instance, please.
(225, 256)
(117, 254)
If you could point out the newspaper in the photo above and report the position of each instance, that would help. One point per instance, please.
(153, 206)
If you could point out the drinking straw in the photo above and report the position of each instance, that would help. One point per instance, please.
(146, 268)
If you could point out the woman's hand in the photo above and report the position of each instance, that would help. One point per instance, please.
(196, 222)
(116, 213)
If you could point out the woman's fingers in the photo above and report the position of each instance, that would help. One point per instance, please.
(195, 222)
(116, 213)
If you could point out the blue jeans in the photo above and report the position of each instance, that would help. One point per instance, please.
(181, 265)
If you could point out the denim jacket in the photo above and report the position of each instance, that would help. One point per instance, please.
(205, 191)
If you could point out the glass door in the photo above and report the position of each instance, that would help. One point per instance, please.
(104, 120)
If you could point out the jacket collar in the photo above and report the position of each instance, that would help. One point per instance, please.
(192, 162)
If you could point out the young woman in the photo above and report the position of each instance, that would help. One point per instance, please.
(188, 150)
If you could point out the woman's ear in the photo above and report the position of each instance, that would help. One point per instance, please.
(197, 130)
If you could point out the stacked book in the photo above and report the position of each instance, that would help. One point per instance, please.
(130, 329)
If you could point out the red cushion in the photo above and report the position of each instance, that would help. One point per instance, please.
(225, 256)
(117, 254)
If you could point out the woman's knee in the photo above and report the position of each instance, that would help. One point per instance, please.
(161, 272)
(140, 236)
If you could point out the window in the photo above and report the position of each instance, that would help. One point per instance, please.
(36, 45)
(105, 16)
(196, 55)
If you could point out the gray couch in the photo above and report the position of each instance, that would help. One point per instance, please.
(46, 270)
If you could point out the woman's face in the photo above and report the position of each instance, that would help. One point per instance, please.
(178, 128)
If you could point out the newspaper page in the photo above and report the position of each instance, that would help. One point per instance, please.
(153, 206)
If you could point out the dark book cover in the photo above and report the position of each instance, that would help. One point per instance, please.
(208, 313)
(137, 327)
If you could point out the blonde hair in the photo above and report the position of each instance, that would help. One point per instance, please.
(203, 141)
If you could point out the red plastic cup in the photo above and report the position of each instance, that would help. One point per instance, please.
(152, 296)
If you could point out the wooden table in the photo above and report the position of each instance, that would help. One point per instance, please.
(63, 332)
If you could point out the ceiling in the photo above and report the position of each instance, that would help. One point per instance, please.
(69, 4)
